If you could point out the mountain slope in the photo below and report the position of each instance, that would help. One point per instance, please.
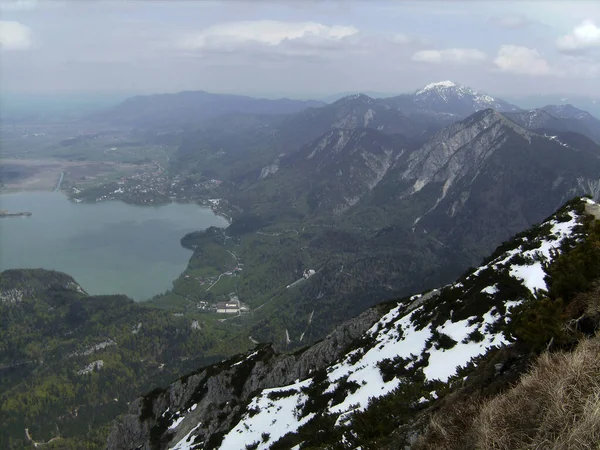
(550, 118)
(484, 178)
(376, 215)
(571, 113)
(589, 102)
(447, 98)
(354, 111)
(328, 175)
(237, 147)
(409, 352)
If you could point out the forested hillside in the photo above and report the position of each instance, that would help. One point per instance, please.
(70, 362)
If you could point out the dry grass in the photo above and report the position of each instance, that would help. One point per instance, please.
(554, 406)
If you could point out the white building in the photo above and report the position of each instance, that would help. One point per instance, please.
(230, 307)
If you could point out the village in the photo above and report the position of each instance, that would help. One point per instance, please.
(149, 186)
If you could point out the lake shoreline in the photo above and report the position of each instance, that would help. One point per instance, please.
(109, 247)
(205, 204)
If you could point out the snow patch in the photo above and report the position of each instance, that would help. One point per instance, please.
(439, 84)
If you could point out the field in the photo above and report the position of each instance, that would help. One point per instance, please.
(43, 174)
(78, 142)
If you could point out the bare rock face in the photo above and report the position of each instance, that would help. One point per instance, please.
(458, 149)
(207, 403)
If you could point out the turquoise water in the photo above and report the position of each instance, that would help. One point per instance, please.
(108, 247)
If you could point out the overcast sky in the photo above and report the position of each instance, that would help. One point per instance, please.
(299, 48)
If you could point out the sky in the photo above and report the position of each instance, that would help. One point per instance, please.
(299, 48)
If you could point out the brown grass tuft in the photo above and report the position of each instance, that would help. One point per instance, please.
(555, 406)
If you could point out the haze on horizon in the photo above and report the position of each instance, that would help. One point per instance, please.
(299, 48)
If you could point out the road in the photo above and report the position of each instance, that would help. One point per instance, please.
(237, 261)
(59, 182)
(210, 287)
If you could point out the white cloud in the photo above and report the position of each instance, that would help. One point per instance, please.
(584, 36)
(267, 32)
(521, 60)
(14, 36)
(452, 55)
(511, 21)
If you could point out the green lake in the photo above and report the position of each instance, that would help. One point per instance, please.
(109, 247)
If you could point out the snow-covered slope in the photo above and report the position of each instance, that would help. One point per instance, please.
(448, 92)
(447, 98)
(425, 337)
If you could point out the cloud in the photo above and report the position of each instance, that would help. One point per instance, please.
(452, 55)
(511, 21)
(521, 60)
(14, 36)
(584, 36)
(228, 36)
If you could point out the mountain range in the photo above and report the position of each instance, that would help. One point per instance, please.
(468, 171)
(439, 102)
(190, 107)
(335, 209)
(380, 200)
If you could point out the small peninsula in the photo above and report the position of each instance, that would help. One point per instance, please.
(5, 213)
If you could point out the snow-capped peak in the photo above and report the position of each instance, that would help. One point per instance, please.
(437, 86)
(445, 90)
(450, 97)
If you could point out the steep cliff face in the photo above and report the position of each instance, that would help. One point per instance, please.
(407, 352)
(206, 404)
(459, 149)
